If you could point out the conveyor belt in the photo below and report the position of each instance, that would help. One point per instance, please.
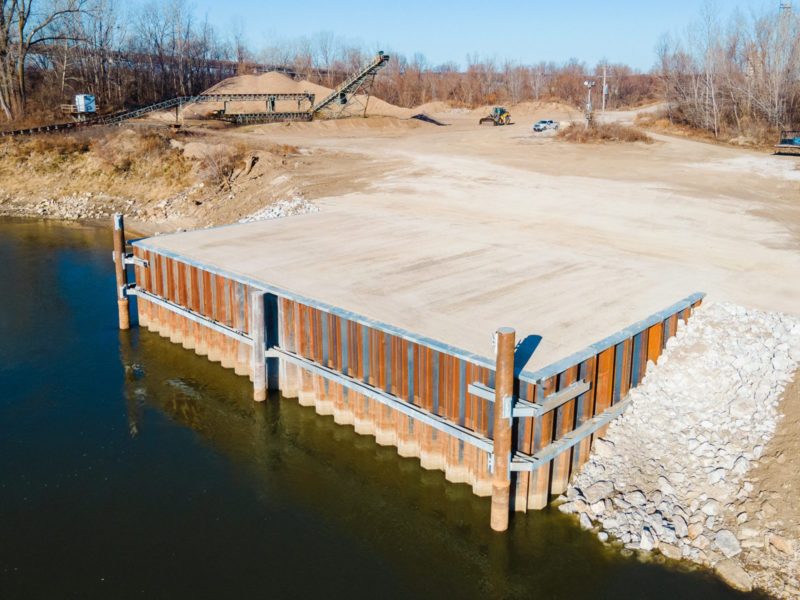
(354, 82)
(115, 118)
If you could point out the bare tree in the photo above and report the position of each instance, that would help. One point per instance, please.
(240, 50)
(130, 56)
(324, 54)
(24, 25)
(745, 79)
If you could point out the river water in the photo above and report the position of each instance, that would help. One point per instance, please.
(131, 468)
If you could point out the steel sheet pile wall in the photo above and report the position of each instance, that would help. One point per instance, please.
(212, 296)
(612, 367)
(412, 372)
(409, 369)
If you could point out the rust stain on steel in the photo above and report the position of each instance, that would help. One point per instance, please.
(123, 307)
(521, 480)
(585, 412)
(654, 341)
(540, 478)
(565, 419)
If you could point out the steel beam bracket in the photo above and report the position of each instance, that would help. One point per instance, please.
(523, 408)
(490, 464)
(509, 403)
(240, 336)
(395, 402)
(131, 259)
(123, 290)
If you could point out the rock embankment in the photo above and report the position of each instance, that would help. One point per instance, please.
(71, 207)
(675, 472)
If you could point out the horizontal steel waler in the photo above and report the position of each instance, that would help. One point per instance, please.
(513, 407)
(613, 365)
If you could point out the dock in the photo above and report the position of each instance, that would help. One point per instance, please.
(469, 346)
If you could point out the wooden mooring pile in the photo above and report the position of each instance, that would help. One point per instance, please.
(511, 434)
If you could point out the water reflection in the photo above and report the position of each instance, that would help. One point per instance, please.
(422, 528)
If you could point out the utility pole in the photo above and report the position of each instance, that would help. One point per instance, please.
(589, 85)
(605, 89)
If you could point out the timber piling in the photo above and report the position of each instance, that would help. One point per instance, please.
(259, 348)
(503, 398)
(514, 434)
(119, 270)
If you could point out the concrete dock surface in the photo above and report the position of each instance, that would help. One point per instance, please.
(569, 264)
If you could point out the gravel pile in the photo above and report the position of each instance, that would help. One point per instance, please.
(672, 473)
(282, 208)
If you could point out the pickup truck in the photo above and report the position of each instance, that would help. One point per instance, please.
(545, 124)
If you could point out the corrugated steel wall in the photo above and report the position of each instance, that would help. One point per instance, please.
(215, 297)
(612, 372)
(411, 371)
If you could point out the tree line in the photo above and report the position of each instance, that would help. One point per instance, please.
(51, 50)
(740, 77)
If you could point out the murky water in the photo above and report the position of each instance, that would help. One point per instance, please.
(130, 467)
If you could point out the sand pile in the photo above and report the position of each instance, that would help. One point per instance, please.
(279, 83)
(548, 110)
(437, 106)
(256, 84)
(524, 112)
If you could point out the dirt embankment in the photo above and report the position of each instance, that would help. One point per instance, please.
(160, 179)
(773, 559)
(658, 121)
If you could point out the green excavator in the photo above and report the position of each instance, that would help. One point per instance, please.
(498, 116)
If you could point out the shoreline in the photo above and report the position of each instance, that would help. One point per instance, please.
(691, 469)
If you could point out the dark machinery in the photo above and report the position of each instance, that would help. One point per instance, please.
(789, 143)
(498, 116)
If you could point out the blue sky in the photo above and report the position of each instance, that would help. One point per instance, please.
(527, 32)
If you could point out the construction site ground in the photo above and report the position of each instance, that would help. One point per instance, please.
(453, 231)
